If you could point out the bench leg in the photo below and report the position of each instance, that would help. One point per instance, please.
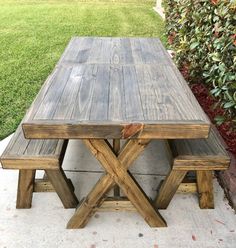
(169, 188)
(63, 188)
(205, 189)
(116, 148)
(25, 188)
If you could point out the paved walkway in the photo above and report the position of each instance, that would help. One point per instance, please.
(44, 224)
(159, 9)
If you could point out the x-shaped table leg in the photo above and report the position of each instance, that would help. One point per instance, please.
(116, 168)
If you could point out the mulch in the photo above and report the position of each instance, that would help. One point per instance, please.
(213, 109)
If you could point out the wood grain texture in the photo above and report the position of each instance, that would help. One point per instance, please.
(114, 204)
(187, 188)
(23, 153)
(38, 155)
(200, 154)
(205, 189)
(95, 198)
(53, 129)
(128, 154)
(125, 181)
(25, 188)
(101, 86)
(63, 188)
(43, 185)
(116, 149)
(169, 188)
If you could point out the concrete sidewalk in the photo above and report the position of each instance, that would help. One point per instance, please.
(44, 224)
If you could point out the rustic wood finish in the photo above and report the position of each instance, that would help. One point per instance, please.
(187, 188)
(44, 185)
(25, 188)
(63, 188)
(202, 156)
(115, 88)
(114, 204)
(116, 168)
(116, 149)
(31, 155)
(169, 188)
(205, 189)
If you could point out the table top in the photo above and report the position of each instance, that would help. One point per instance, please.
(115, 88)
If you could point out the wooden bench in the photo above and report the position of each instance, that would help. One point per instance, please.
(31, 155)
(200, 155)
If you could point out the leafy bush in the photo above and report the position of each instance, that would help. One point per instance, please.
(203, 35)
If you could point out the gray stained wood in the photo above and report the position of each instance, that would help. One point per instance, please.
(200, 155)
(115, 88)
(31, 155)
(35, 154)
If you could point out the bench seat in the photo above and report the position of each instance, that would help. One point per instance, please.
(30, 155)
(200, 155)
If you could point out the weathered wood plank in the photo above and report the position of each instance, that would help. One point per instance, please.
(33, 147)
(205, 189)
(212, 146)
(125, 181)
(200, 154)
(71, 51)
(114, 204)
(136, 51)
(187, 188)
(90, 203)
(43, 185)
(84, 50)
(52, 97)
(209, 162)
(148, 55)
(169, 188)
(116, 96)
(100, 97)
(19, 144)
(131, 72)
(77, 51)
(30, 163)
(50, 147)
(183, 84)
(82, 103)
(64, 108)
(63, 188)
(25, 188)
(133, 105)
(128, 154)
(74, 130)
(121, 51)
(96, 54)
(106, 50)
(116, 149)
(32, 154)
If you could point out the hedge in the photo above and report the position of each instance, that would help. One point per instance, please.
(203, 35)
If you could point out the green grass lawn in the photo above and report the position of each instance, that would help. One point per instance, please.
(34, 33)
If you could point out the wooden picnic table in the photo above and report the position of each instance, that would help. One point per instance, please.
(115, 88)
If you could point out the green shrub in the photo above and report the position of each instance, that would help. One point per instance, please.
(203, 35)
